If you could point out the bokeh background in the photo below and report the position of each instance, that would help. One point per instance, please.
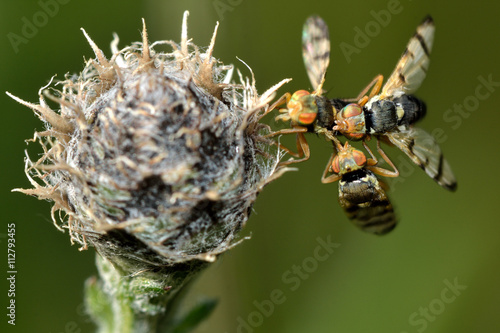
(397, 283)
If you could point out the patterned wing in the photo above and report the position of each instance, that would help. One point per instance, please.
(412, 67)
(316, 50)
(425, 152)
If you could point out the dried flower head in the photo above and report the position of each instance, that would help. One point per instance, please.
(153, 158)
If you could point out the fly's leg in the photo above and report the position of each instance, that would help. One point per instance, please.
(377, 85)
(302, 151)
(371, 164)
(282, 100)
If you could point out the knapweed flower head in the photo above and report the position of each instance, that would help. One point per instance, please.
(154, 158)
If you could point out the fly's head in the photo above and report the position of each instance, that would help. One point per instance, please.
(301, 109)
(350, 121)
(348, 159)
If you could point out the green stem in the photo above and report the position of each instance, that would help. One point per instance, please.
(124, 303)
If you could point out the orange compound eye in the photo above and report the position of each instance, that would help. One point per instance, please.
(299, 94)
(335, 164)
(359, 157)
(351, 110)
(302, 108)
(307, 118)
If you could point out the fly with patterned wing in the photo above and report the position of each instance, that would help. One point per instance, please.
(310, 112)
(393, 112)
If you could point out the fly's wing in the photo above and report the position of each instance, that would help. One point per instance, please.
(425, 152)
(412, 67)
(316, 51)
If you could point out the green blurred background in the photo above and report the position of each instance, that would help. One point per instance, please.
(368, 283)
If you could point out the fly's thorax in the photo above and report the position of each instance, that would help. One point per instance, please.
(302, 108)
(366, 203)
(351, 122)
(358, 187)
(326, 113)
(381, 116)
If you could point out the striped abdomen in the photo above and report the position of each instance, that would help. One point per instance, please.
(366, 203)
(414, 109)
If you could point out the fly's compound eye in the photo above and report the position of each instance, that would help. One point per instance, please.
(335, 165)
(351, 110)
(302, 108)
(299, 94)
(359, 157)
(351, 122)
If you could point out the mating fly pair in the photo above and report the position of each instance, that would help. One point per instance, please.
(387, 112)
